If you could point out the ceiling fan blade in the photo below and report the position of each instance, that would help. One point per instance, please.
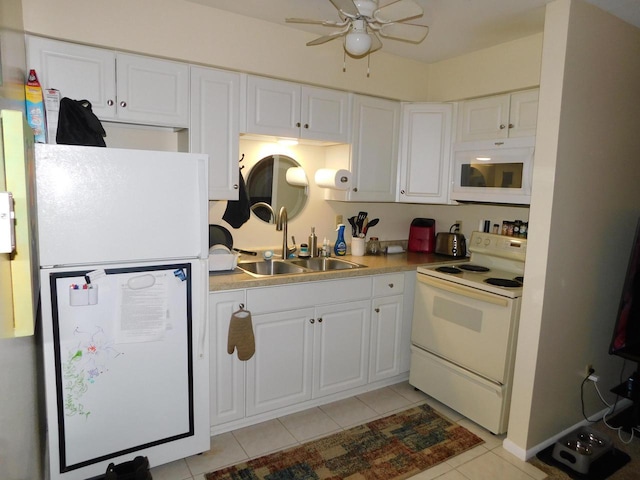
(346, 6)
(326, 23)
(376, 44)
(398, 11)
(404, 31)
(326, 38)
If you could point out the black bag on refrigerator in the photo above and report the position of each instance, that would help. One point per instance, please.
(78, 125)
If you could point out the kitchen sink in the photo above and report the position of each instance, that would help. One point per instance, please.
(323, 264)
(292, 267)
(270, 268)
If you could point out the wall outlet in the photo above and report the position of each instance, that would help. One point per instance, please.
(589, 369)
(338, 220)
(459, 222)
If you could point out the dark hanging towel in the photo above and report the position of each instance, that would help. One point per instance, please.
(238, 211)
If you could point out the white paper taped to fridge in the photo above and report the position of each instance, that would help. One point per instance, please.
(142, 304)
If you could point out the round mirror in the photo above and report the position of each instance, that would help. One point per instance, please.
(277, 181)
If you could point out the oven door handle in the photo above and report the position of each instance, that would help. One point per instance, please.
(462, 290)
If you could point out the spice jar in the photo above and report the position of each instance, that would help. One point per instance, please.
(373, 246)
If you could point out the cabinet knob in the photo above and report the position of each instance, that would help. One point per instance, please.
(320, 320)
(377, 310)
(110, 103)
(311, 320)
(306, 125)
(391, 285)
(355, 189)
(511, 125)
(123, 104)
(298, 124)
(236, 186)
(502, 126)
(402, 192)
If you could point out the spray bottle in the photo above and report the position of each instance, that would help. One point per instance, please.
(340, 248)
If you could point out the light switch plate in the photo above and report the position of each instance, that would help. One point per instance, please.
(7, 223)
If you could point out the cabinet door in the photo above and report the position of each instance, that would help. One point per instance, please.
(341, 347)
(485, 118)
(152, 91)
(325, 115)
(374, 155)
(425, 153)
(279, 374)
(77, 71)
(215, 127)
(386, 337)
(226, 371)
(273, 107)
(523, 116)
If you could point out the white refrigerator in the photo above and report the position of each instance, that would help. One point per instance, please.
(122, 238)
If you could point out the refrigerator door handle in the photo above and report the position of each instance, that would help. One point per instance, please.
(204, 306)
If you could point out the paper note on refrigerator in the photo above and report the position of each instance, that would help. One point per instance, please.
(142, 307)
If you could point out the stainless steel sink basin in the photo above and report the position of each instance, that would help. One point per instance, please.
(270, 268)
(292, 267)
(322, 264)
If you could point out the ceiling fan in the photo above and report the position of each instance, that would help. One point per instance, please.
(361, 21)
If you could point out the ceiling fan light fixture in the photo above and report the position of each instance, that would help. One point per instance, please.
(357, 43)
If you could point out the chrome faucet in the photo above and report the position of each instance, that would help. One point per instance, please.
(281, 225)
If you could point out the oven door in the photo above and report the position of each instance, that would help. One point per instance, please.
(490, 172)
(469, 327)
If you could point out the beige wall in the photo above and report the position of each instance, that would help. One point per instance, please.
(195, 33)
(584, 210)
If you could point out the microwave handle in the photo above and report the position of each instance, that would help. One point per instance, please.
(462, 290)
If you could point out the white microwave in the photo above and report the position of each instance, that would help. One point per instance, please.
(496, 171)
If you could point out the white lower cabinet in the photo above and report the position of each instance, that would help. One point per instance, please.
(226, 372)
(313, 340)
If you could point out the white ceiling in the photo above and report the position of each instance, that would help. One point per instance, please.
(455, 26)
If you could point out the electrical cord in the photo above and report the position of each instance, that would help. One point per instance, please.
(612, 409)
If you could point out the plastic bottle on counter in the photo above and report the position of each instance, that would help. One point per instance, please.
(325, 247)
(340, 248)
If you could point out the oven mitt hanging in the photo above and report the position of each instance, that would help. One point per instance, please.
(241, 335)
(78, 125)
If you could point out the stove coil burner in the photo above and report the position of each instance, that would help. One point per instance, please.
(519, 279)
(470, 267)
(448, 270)
(503, 282)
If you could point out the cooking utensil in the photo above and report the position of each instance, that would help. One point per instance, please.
(360, 220)
(219, 235)
(354, 227)
(372, 223)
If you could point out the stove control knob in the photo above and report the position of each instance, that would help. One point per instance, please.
(487, 242)
(478, 240)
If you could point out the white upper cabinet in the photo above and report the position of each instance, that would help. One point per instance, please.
(121, 87)
(215, 127)
(373, 156)
(425, 153)
(500, 116)
(287, 109)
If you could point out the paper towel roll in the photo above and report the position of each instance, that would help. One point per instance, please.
(336, 179)
(296, 176)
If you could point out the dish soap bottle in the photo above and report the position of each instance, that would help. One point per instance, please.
(340, 248)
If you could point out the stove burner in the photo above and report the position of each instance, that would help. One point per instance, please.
(503, 282)
(448, 270)
(519, 279)
(470, 267)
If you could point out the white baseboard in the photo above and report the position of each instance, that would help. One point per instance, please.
(525, 455)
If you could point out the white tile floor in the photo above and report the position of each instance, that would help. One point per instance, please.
(488, 461)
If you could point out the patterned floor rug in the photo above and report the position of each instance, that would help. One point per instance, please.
(391, 448)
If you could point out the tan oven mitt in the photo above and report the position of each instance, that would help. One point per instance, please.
(241, 335)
